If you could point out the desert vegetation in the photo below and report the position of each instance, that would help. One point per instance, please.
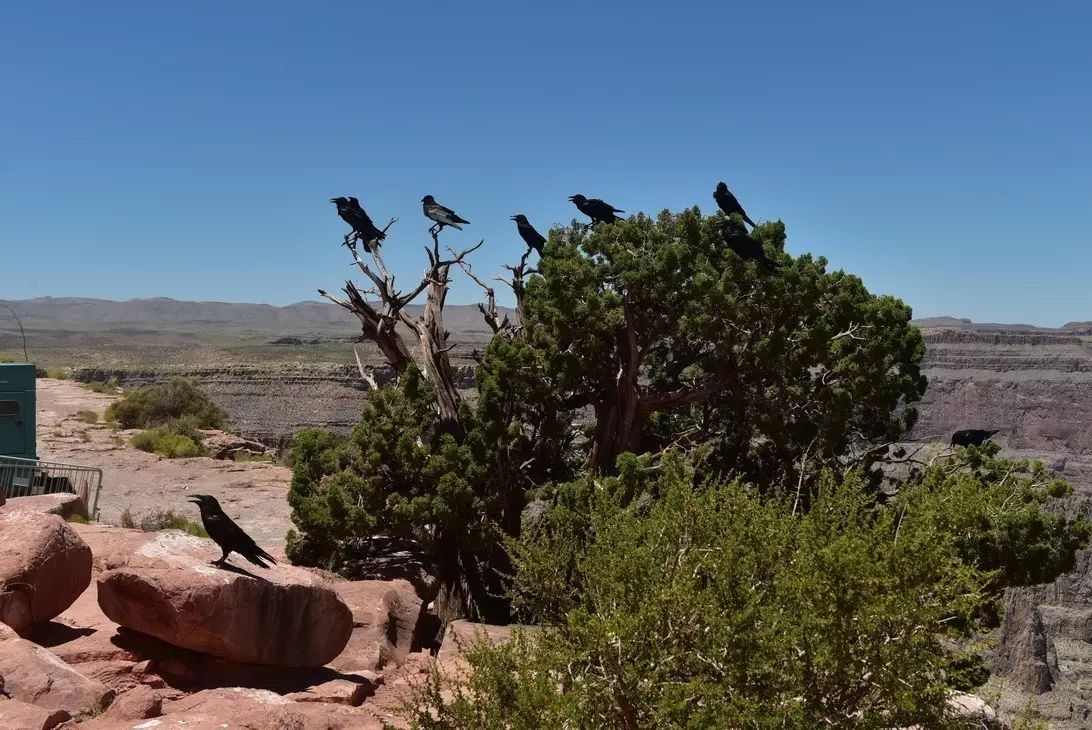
(172, 416)
(680, 465)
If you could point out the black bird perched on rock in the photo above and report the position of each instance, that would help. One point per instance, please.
(229, 536)
(527, 232)
(350, 211)
(972, 437)
(746, 247)
(596, 209)
(443, 216)
(729, 204)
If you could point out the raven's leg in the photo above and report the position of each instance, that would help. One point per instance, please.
(223, 559)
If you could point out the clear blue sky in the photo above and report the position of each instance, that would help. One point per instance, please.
(943, 151)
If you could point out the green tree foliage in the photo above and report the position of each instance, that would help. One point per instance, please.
(673, 601)
(670, 337)
(168, 404)
(656, 332)
(399, 475)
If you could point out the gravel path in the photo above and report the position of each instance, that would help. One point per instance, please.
(254, 495)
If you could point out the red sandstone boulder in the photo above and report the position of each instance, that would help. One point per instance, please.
(257, 709)
(283, 615)
(43, 559)
(462, 634)
(385, 618)
(35, 676)
(16, 714)
(62, 504)
(111, 547)
(139, 703)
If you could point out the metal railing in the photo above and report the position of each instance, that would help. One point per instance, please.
(26, 477)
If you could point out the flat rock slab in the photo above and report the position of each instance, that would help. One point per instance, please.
(257, 709)
(283, 615)
(385, 619)
(62, 504)
(43, 559)
(35, 676)
(16, 714)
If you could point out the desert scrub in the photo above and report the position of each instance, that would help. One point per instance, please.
(162, 405)
(97, 386)
(78, 519)
(167, 443)
(88, 416)
(171, 520)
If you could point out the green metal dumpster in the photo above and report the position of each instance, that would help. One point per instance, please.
(17, 411)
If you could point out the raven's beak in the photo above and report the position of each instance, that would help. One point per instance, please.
(333, 200)
(572, 197)
(513, 218)
(195, 500)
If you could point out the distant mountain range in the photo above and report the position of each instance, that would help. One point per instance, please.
(100, 315)
(161, 313)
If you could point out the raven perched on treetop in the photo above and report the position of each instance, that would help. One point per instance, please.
(746, 247)
(596, 209)
(443, 216)
(972, 437)
(527, 232)
(729, 204)
(229, 536)
(350, 211)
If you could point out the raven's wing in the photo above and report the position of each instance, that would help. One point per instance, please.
(243, 543)
(452, 214)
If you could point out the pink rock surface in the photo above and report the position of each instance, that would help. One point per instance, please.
(256, 709)
(285, 615)
(385, 618)
(64, 504)
(41, 551)
(35, 676)
(15, 714)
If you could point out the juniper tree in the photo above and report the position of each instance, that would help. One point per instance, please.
(643, 333)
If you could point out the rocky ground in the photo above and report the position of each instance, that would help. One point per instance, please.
(253, 494)
(104, 627)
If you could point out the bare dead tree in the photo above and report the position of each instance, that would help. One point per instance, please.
(380, 319)
(22, 333)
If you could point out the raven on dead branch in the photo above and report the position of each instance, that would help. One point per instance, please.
(527, 232)
(350, 211)
(443, 216)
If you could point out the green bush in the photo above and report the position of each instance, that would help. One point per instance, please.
(167, 443)
(162, 405)
(97, 386)
(88, 416)
(169, 520)
(678, 602)
(56, 373)
(79, 519)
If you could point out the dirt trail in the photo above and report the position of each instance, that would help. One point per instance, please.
(254, 495)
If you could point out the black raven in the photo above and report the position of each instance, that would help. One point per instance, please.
(443, 216)
(229, 536)
(746, 247)
(596, 209)
(729, 204)
(972, 437)
(527, 232)
(350, 211)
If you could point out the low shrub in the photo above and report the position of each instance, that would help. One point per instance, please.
(97, 386)
(88, 416)
(171, 520)
(162, 405)
(166, 443)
